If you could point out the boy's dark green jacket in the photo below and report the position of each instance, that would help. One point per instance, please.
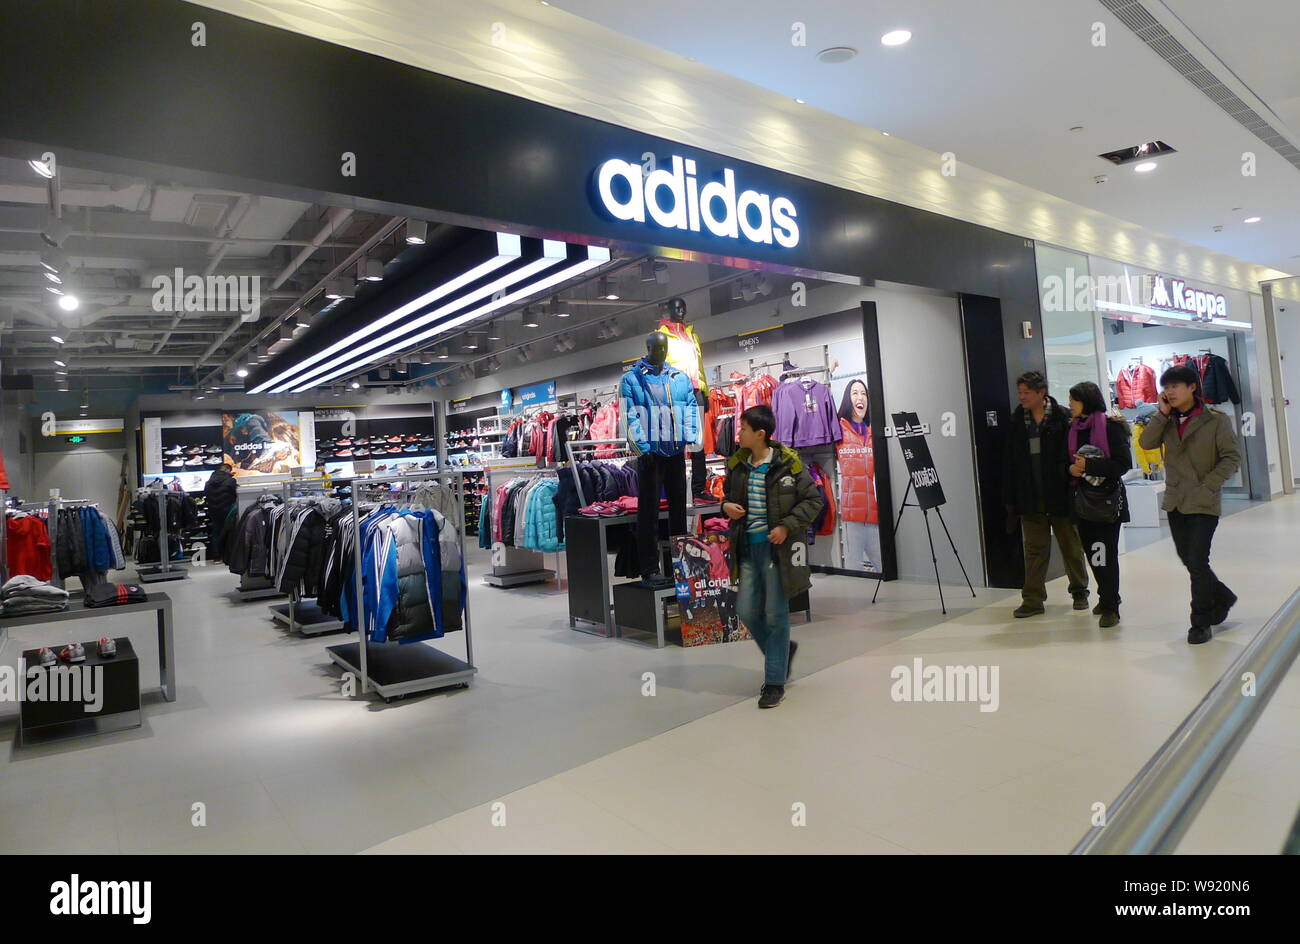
(793, 500)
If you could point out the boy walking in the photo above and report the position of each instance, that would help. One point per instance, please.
(771, 500)
(1201, 454)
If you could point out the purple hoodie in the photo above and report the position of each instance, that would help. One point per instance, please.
(805, 414)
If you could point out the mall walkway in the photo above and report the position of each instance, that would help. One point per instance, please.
(1079, 711)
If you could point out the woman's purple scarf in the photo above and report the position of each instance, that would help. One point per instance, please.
(1095, 424)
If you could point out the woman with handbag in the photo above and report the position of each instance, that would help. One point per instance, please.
(1100, 455)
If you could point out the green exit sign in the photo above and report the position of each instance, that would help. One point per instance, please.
(76, 439)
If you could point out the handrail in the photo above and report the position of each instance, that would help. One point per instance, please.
(1158, 806)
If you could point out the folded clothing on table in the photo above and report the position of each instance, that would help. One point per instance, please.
(24, 595)
(115, 594)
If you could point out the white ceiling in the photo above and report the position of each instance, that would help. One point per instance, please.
(1000, 82)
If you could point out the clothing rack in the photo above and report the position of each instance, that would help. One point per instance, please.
(163, 570)
(393, 669)
(52, 526)
(255, 588)
(304, 617)
(519, 565)
(619, 446)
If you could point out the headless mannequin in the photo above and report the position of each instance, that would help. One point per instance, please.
(655, 475)
(676, 313)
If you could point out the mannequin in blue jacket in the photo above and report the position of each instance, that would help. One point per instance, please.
(662, 417)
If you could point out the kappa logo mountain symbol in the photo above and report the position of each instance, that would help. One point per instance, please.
(77, 897)
(629, 194)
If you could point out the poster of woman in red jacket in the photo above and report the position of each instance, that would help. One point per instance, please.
(859, 515)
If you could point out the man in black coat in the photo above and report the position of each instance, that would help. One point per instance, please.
(1035, 490)
(222, 494)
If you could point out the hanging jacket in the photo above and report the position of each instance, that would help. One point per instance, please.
(857, 462)
(1217, 385)
(662, 414)
(404, 559)
(27, 544)
(1135, 384)
(304, 558)
(1148, 459)
(825, 523)
(485, 521)
(566, 498)
(805, 414)
(541, 531)
(684, 352)
(604, 425)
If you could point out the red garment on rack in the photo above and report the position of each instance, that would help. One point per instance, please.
(721, 404)
(28, 542)
(1135, 384)
(4, 476)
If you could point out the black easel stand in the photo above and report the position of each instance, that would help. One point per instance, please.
(935, 560)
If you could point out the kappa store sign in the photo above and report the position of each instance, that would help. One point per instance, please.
(1173, 295)
(675, 199)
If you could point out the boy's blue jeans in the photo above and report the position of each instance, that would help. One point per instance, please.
(762, 606)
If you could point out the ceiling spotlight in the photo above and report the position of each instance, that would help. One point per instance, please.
(558, 309)
(242, 372)
(355, 385)
(417, 232)
(1145, 167)
(385, 373)
(493, 332)
(885, 133)
(647, 270)
(1252, 219)
(53, 277)
(443, 354)
(53, 291)
(800, 101)
(69, 302)
(762, 285)
(494, 363)
(370, 270)
(55, 232)
(470, 343)
(42, 168)
(529, 319)
(56, 339)
(522, 354)
(896, 37)
(605, 288)
(60, 364)
(85, 399)
(340, 288)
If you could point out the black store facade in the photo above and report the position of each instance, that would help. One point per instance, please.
(277, 113)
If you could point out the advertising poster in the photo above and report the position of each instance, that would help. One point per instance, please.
(705, 594)
(262, 442)
(858, 511)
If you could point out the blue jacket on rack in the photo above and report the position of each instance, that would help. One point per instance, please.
(659, 407)
(539, 518)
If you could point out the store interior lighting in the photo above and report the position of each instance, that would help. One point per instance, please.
(594, 256)
(56, 339)
(355, 385)
(509, 250)
(340, 288)
(417, 232)
(69, 302)
(528, 318)
(494, 331)
(370, 270)
(55, 232)
(42, 168)
(53, 260)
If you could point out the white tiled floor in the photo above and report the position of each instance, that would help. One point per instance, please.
(1081, 710)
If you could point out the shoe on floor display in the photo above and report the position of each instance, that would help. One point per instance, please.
(107, 647)
(429, 465)
(1197, 635)
(1023, 611)
(173, 451)
(173, 463)
(73, 652)
(45, 656)
(771, 696)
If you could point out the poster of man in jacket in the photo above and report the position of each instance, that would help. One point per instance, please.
(262, 442)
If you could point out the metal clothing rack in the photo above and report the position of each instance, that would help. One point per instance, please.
(52, 526)
(591, 446)
(520, 565)
(393, 669)
(301, 616)
(163, 570)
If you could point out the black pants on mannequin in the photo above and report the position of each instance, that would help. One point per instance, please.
(656, 474)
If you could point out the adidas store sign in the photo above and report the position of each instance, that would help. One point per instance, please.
(675, 199)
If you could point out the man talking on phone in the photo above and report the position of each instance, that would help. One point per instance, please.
(1201, 454)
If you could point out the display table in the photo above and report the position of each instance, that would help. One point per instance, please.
(586, 550)
(157, 603)
(116, 695)
(1144, 498)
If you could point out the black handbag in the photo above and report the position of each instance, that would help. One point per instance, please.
(1102, 504)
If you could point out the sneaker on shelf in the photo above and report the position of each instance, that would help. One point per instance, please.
(361, 452)
(173, 451)
(107, 647)
(197, 460)
(73, 652)
(342, 442)
(411, 448)
(45, 656)
(392, 450)
(194, 451)
(173, 463)
(429, 465)
(394, 439)
(411, 438)
(344, 454)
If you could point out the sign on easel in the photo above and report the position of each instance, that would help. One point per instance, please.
(920, 465)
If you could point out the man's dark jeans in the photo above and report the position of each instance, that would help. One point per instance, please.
(1192, 537)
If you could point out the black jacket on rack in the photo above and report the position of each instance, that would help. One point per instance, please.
(249, 553)
(1217, 385)
(305, 558)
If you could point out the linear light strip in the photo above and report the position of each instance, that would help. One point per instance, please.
(496, 285)
(596, 256)
(509, 249)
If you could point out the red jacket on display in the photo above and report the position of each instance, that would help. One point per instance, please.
(857, 464)
(1135, 384)
(28, 541)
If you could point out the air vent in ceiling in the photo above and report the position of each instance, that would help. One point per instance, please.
(1133, 15)
(1140, 152)
(207, 211)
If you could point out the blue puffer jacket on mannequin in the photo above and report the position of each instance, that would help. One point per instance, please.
(539, 518)
(659, 407)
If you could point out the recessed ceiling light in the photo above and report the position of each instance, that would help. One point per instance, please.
(1251, 219)
(53, 277)
(417, 232)
(242, 372)
(836, 54)
(61, 364)
(41, 168)
(53, 291)
(1145, 167)
(370, 270)
(885, 133)
(800, 101)
(69, 302)
(356, 385)
(56, 339)
(896, 37)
